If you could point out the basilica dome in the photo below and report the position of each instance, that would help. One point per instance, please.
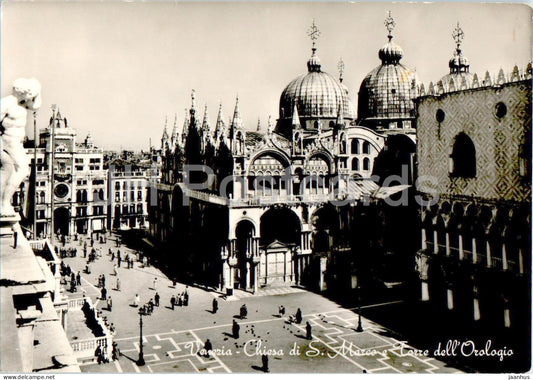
(318, 97)
(387, 92)
(459, 65)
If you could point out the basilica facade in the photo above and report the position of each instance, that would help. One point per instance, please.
(275, 208)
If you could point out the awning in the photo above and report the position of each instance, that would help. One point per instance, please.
(386, 192)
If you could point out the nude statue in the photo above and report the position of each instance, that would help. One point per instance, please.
(14, 160)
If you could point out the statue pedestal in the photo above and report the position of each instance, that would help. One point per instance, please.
(8, 225)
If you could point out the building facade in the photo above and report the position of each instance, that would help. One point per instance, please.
(276, 205)
(128, 185)
(73, 190)
(474, 146)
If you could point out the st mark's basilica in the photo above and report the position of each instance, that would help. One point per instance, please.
(328, 198)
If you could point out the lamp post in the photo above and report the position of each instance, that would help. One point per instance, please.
(140, 361)
(359, 324)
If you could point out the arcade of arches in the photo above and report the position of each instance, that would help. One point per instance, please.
(469, 257)
(256, 247)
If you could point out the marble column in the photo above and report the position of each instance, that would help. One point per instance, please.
(474, 251)
(477, 314)
(424, 243)
(506, 317)
(435, 242)
(449, 298)
(256, 277)
(504, 257)
(520, 261)
(489, 258)
(425, 290)
(248, 275)
(461, 251)
(447, 241)
(225, 275)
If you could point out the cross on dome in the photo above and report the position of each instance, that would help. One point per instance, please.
(340, 66)
(458, 35)
(390, 24)
(313, 32)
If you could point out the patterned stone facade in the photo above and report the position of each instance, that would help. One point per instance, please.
(499, 141)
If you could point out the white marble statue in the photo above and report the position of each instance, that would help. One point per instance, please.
(14, 160)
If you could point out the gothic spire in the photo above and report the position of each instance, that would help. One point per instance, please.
(205, 123)
(295, 116)
(236, 121)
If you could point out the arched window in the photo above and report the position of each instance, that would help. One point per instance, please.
(84, 196)
(366, 147)
(43, 200)
(78, 196)
(117, 185)
(139, 208)
(101, 194)
(124, 209)
(355, 146)
(95, 196)
(355, 163)
(366, 164)
(463, 157)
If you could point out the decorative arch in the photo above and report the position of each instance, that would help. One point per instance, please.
(322, 155)
(282, 158)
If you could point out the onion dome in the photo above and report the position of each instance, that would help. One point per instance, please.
(387, 92)
(459, 64)
(316, 95)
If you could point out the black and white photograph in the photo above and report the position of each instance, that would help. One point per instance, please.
(265, 188)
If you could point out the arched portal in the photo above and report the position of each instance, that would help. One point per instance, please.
(325, 224)
(61, 221)
(280, 224)
(280, 235)
(244, 233)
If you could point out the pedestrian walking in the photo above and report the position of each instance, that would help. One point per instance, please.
(119, 260)
(98, 354)
(186, 299)
(154, 285)
(103, 294)
(118, 284)
(156, 299)
(208, 347)
(103, 280)
(137, 300)
(215, 305)
(298, 316)
(281, 311)
(243, 311)
(264, 359)
(78, 278)
(112, 255)
(308, 330)
(172, 302)
(109, 304)
(180, 300)
(235, 329)
(115, 353)
(115, 270)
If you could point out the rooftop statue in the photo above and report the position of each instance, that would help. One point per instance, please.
(14, 161)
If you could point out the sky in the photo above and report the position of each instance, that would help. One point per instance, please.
(118, 69)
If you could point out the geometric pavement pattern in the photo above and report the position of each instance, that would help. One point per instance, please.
(375, 350)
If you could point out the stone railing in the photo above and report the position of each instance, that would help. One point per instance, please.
(87, 347)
